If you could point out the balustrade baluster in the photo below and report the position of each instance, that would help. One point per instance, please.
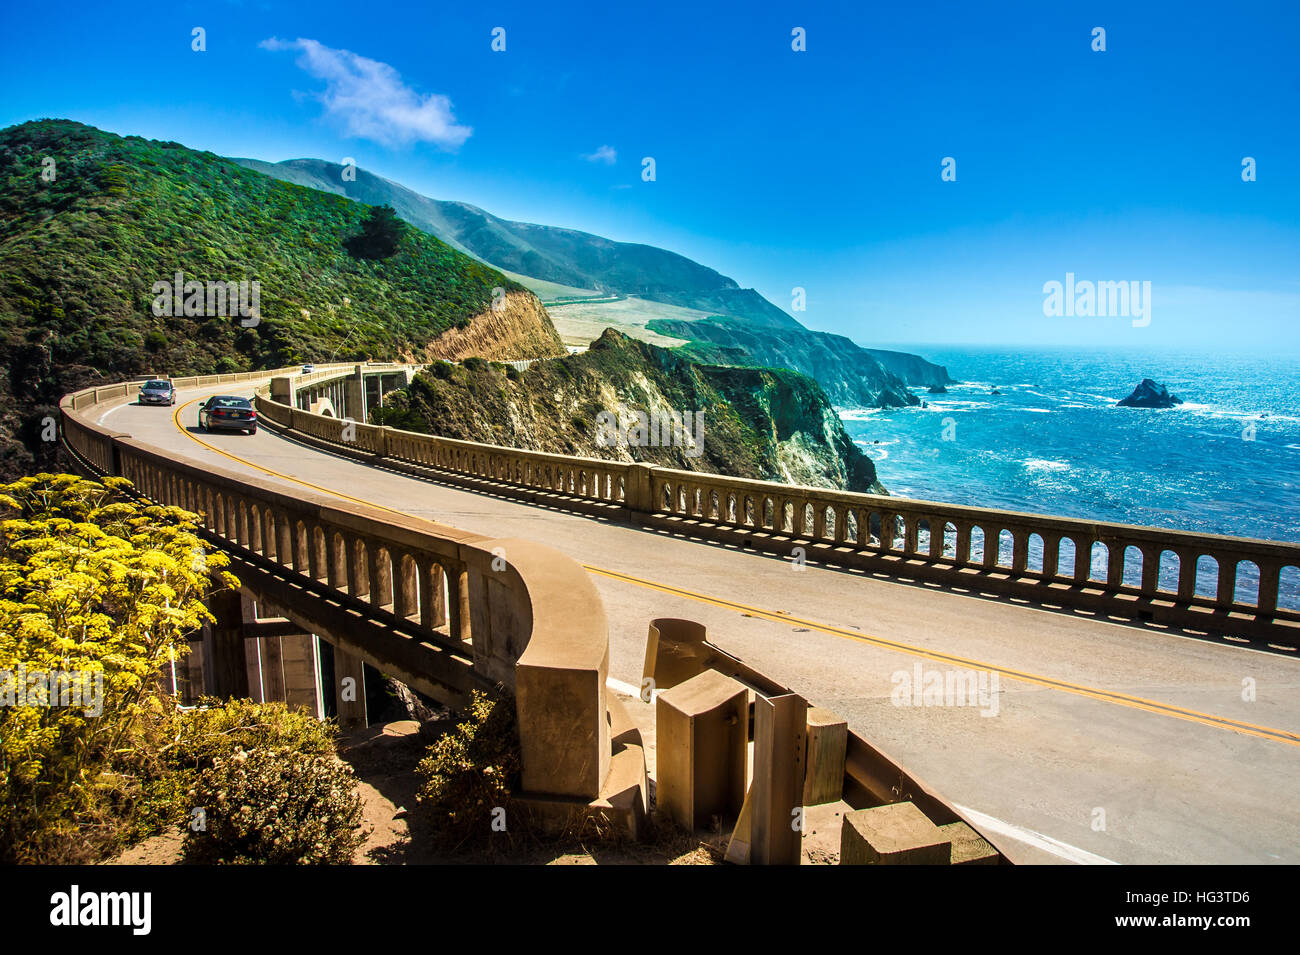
(1019, 549)
(1226, 588)
(1270, 572)
(1051, 555)
(1115, 553)
(283, 540)
(1187, 566)
(406, 590)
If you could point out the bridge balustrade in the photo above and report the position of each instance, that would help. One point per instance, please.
(1234, 585)
(457, 610)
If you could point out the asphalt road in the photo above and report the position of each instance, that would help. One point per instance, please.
(1094, 742)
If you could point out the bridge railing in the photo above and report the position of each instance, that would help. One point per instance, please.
(1227, 584)
(590, 479)
(460, 609)
(464, 610)
(1116, 558)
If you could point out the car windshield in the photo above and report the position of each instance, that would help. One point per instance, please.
(157, 384)
(230, 403)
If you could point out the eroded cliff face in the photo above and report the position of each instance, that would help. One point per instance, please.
(774, 425)
(517, 328)
(806, 437)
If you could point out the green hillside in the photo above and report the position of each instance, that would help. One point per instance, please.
(552, 254)
(79, 256)
(764, 423)
(740, 318)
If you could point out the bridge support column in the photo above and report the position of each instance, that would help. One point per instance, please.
(354, 397)
(229, 668)
(350, 689)
(300, 660)
(285, 669)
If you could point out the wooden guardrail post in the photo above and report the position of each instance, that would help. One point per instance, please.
(702, 738)
(828, 737)
(776, 794)
(895, 834)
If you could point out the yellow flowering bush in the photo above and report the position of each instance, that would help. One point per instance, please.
(105, 589)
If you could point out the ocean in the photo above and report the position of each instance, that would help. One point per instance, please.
(1227, 461)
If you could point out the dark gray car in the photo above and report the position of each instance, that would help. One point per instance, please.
(226, 413)
(157, 391)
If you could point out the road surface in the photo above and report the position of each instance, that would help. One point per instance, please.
(1094, 742)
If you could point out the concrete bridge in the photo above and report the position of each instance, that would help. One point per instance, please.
(342, 391)
(1138, 671)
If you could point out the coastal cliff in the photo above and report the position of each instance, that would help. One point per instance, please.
(769, 424)
(516, 328)
(847, 372)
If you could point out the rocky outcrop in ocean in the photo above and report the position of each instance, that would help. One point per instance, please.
(1150, 395)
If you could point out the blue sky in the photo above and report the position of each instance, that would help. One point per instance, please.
(818, 169)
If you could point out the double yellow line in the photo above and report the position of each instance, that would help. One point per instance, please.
(176, 420)
(1104, 696)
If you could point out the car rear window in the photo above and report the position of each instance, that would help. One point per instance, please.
(231, 403)
(157, 384)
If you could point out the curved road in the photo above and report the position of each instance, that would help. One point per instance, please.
(1095, 743)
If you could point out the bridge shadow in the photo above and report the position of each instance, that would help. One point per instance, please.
(891, 568)
(385, 756)
(387, 763)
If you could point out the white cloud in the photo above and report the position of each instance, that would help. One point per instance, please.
(605, 154)
(371, 100)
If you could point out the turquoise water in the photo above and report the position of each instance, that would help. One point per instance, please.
(1225, 462)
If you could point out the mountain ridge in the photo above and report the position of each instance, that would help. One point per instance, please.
(574, 258)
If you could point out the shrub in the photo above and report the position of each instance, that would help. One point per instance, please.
(472, 771)
(275, 806)
(94, 584)
(381, 234)
(216, 728)
(441, 369)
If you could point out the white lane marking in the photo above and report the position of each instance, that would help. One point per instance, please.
(1036, 839)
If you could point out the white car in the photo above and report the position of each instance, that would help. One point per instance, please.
(308, 369)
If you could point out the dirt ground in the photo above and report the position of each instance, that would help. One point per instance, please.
(384, 759)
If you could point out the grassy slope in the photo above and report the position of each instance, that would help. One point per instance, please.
(549, 253)
(79, 256)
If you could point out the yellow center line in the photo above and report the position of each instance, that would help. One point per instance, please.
(1104, 696)
(176, 419)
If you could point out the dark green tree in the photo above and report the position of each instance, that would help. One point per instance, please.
(380, 236)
